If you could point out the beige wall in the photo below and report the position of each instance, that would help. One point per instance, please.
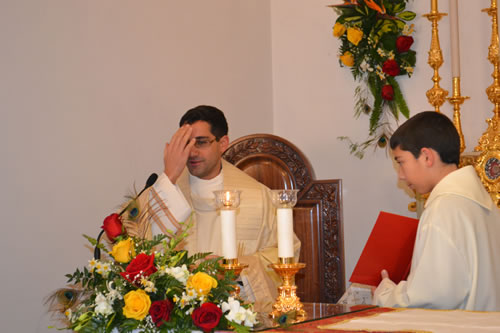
(91, 90)
(89, 93)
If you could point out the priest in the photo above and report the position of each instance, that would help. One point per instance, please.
(193, 170)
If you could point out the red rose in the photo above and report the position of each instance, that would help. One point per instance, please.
(207, 316)
(160, 311)
(391, 67)
(403, 43)
(141, 265)
(388, 92)
(113, 226)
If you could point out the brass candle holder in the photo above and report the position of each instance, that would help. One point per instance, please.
(236, 267)
(436, 95)
(456, 100)
(288, 300)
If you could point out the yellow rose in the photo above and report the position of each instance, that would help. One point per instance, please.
(338, 29)
(123, 251)
(202, 283)
(137, 304)
(347, 59)
(354, 35)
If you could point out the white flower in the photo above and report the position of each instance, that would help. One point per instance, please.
(92, 264)
(408, 30)
(181, 274)
(102, 305)
(365, 66)
(238, 314)
(251, 318)
(113, 293)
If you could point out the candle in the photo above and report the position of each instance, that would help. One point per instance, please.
(454, 39)
(285, 232)
(228, 233)
(434, 6)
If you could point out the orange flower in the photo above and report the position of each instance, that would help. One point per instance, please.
(374, 6)
(354, 35)
(347, 59)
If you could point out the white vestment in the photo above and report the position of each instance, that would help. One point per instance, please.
(256, 227)
(456, 258)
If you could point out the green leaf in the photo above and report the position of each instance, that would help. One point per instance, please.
(407, 15)
(398, 98)
(352, 18)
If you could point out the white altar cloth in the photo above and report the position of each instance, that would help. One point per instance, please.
(424, 320)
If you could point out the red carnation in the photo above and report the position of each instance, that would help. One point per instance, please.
(160, 311)
(391, 67)
(113, 226)
(403, 43)
(388, 92)
(141, 265)
(207, 316)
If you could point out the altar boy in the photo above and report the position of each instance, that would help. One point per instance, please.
(456, 258)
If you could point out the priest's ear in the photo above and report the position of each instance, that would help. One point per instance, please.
(224, 143)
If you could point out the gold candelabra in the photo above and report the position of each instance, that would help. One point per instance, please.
(288, 300)
(456, 100)
(487, 163)
(436, 95)
(236, 267)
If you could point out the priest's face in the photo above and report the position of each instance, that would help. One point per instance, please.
(205, 157)
(413, 171)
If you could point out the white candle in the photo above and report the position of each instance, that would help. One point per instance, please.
(454, 39)
(285, 232)
(228, 233)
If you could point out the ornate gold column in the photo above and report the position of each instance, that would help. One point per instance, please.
(436, 95)
(488, 163)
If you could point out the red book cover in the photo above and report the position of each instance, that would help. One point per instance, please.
(390, 247)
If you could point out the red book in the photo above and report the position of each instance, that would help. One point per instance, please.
(390, 247)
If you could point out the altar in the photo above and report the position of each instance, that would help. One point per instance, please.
(366, 318)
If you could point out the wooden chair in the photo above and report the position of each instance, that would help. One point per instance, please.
(279, 164)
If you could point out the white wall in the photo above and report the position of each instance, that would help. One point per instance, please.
(313, 100)
(91, 90)
(89, 93)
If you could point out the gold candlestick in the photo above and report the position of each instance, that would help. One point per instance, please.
(456, 100)
(436, 95)
(287, 293)
(236, 267)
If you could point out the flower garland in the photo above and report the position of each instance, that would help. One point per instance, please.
(375, 44)
(150, 286)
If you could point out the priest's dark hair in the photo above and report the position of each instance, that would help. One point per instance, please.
(210, 114)
(429, 129)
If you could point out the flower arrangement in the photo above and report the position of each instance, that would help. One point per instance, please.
(375, 45)
(150, 286)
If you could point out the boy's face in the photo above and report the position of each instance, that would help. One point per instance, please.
(414, 171)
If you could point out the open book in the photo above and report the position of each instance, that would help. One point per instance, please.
(390, 247)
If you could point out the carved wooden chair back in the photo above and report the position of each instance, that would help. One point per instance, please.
(279, 164)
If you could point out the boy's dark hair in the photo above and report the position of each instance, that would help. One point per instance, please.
(210, 114)
(429, 129)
